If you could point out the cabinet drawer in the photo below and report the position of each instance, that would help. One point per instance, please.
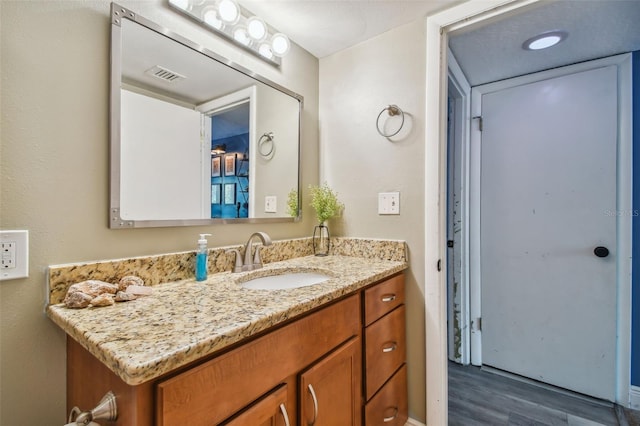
(269, 410)
(389, 406)
(385, 349)
(213, 391)
(383, 298)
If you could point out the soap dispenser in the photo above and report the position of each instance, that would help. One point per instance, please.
(201, 258)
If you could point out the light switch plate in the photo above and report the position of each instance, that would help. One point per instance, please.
(14, 255)
(270, 204)
(389, 203)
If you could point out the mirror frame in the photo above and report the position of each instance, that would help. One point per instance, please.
(115, 220)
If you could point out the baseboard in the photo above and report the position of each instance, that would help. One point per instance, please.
(634, 397)
(412, 422)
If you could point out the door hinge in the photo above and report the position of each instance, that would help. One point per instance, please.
(479, 118)
(449, 243)
(479, 324)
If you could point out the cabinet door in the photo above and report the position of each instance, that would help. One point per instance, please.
(330, 389)
(270, 410)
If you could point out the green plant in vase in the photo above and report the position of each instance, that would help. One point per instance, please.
(326, 205)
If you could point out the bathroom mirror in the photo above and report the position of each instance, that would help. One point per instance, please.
(195, 139)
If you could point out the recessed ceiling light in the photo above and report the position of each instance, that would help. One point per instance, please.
(545, 40)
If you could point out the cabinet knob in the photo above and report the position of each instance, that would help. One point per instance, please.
(391, 418)
(388, 298)
(392, 347)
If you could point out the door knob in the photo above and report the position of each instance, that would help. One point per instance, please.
(601, 251)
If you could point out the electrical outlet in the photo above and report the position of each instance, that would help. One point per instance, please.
(389, 203)
(14, 254)
(8, 250)
(270, 204)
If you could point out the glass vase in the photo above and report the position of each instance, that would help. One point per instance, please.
(321, 240)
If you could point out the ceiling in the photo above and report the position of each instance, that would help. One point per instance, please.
(597, 28)
(324, 27)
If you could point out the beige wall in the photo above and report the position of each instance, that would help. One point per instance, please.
(355, 85)
(54, 174)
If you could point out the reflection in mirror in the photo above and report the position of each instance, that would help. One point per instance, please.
(187, 130)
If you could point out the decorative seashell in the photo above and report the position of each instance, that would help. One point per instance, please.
(105, 299)
(123, 296)
(93, 288)
(77, 300)
(129, 280)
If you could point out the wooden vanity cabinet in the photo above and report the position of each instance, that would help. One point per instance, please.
(228, 384)
(336, 365)
(385, 379)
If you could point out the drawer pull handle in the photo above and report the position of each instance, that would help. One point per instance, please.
(388, 298)
(283, 410)
(315, 404)
(391, 418)
(390, 348)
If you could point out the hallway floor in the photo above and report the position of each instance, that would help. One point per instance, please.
(478, 397)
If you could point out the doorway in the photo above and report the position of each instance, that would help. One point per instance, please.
(438, 27)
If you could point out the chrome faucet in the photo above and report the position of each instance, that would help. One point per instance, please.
(256, 263)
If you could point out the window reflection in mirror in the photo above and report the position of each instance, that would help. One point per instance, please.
(173, 105)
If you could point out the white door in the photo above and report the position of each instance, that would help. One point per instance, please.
(548, 179)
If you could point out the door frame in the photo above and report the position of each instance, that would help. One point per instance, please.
(461, 92)
(437, 28)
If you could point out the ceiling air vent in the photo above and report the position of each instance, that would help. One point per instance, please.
(164, 74)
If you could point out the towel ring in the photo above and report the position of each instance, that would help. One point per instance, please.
(264, 140)
(393, 110)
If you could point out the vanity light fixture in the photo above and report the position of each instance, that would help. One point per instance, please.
(230, 20)
(545, 40)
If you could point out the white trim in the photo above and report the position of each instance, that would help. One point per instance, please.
(634, 398)
(624, 237)
(623, 183)
(459, 81)
(413, 422)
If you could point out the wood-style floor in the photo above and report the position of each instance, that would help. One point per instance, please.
(478, 397)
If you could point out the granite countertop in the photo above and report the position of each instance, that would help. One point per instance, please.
(185, 320)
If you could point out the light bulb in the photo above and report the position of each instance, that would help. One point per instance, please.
(210, 17)
(256, 28)
(241, 36)
(229, 11)
(265, 50)
(280, 44)
(182, 4)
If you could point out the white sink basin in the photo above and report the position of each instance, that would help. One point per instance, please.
(286, 280)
